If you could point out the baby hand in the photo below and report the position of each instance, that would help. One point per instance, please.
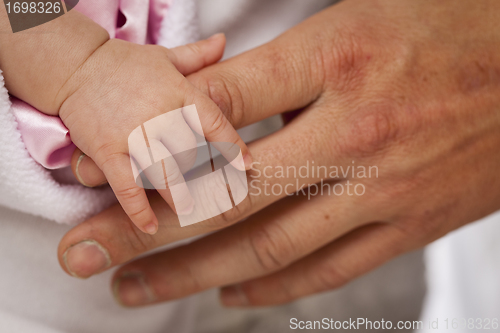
(123, 85)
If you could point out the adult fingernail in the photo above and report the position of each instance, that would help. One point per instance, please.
(243, 164)
(132, 289)
(86, 258)
(233, 296)
(215, 37)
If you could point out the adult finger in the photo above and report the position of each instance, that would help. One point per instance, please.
(110, 238)
(285, 74)
(266, 242)
(328, 268)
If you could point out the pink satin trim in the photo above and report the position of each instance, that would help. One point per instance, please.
(46, 138)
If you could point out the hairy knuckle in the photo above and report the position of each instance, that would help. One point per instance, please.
(344, 60)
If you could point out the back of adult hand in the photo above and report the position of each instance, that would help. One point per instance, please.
(409, 87)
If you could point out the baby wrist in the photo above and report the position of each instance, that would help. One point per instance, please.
(37, 64)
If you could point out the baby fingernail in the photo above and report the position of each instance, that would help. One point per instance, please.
(77, 169)
(87, 172)
(233, 296)
(151, 228)
(248, 160)
(132, 289)
(86, 258)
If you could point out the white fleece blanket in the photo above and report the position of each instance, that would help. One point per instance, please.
(28, 187)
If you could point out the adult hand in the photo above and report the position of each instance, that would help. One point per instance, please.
(409, 87)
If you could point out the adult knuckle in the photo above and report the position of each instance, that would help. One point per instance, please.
(420, 228)
(238, 212)
(329, 276)
(298, 66)
(225, 93)
(128, 237)
(221, 221)
(136, 241)
(213, 187)
(227, 218)
(283, 63)
(369, 132)
(271, 250)
(196, 280)
(344, 59)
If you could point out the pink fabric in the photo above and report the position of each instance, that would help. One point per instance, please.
(143, 21)
(46, 138)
